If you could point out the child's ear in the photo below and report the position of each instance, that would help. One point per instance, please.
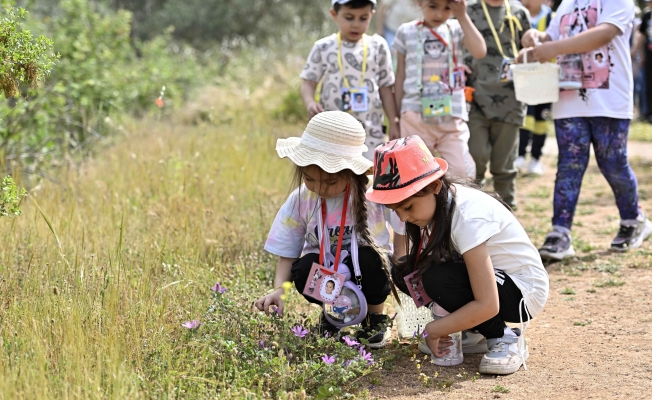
(333, 13)
(439, 185)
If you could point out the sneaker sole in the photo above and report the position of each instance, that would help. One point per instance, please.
(503, 369)
(547, 255)
(382, 343)
(636, 244)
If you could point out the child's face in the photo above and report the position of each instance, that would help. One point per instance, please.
(533, 5)
(495, 3)
(358, 98)
(324, 184)
(352, 22)
(419, 211)
(329, 287)
(435, 12)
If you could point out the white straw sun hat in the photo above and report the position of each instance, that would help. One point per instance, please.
(333, 140)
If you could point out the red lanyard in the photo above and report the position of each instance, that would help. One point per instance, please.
(441, 39)
(423, 236)
(325, 231)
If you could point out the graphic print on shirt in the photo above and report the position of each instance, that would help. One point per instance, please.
(333, 235)
(593, 66)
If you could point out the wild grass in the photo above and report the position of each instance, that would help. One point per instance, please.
(101, 270)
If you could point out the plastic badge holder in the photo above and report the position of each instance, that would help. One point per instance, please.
(350, 307)
(536, 83)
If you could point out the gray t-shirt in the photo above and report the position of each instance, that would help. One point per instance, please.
(435, 61)
(496, 99)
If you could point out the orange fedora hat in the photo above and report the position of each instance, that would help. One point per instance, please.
(402, 168)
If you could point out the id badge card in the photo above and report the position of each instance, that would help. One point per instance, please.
(323, 284)
(433, 108)
(459, 79)
(506, 70)
(358, 100)
(418, 293)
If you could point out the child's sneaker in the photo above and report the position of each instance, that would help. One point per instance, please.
(535, 167)
(504, 357)
(631, 237)
(520, 164)
(325, 328)
(557, 246)
(376, 330)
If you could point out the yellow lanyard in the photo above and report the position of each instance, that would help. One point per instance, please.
(512, 19)
(364, 60)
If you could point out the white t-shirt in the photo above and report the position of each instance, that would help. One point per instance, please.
(609, 68)
(478, 218)
(295, 231)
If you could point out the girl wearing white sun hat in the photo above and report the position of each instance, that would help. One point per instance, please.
(331, 178)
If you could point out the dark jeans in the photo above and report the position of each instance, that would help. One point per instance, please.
(448, 285)
(375, 284)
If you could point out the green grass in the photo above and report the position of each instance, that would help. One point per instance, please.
(567, 291)
(611, 282)
(583, 323)
(640, 131)
(499, 389)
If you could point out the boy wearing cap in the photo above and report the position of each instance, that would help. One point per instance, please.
(351, 61)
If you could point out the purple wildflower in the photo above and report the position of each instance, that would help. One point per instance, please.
(424, 334)
(262, 344)
(328, 360)
(366, 355)
(350, 342)
(395, 314)
(194, 324)
(299, 331)
(218, 288)
(346, 363)
(327, 334)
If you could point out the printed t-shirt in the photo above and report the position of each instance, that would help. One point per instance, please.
(496, 99)
(608, 70)
(295, 228)
(479, 218)
(435, 61)
(322, 65)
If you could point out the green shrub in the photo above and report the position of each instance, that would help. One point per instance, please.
(10, 197)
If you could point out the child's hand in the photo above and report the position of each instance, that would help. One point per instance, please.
(531, 37)
(543, 53)
(313, 108)
(458, 7)
(395, 130)
(439, 346)
(272, 299)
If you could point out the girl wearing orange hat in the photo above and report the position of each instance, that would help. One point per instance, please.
(471, 255)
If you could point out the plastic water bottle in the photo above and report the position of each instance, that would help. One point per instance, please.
(455, 357)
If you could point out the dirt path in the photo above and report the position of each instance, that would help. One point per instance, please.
(594, 338)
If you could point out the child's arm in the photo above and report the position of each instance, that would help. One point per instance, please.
(531, 36)
(283, 274)
(400, 245)
(586, 41)
(400, 80)
(387, 97)
(485, 305)
(308, 95)
(473, 40)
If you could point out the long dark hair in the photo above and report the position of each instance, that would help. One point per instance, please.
(358, 185)
(440, 247)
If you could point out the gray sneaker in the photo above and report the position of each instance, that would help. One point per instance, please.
(557, 246)
(505, 356)
(631, 237)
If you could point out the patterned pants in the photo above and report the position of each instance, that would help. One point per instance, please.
(609, 138)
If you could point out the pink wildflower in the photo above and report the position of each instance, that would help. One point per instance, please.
(299, 331)
(194, 324)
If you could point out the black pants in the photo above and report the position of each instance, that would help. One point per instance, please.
(375, 284)
(540, 112)
(448, 285)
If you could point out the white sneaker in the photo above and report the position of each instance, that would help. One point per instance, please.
(473, 342)
(504, 357)
(535, 167)
(520, 164)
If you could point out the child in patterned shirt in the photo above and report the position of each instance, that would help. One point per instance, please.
(352, 66)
